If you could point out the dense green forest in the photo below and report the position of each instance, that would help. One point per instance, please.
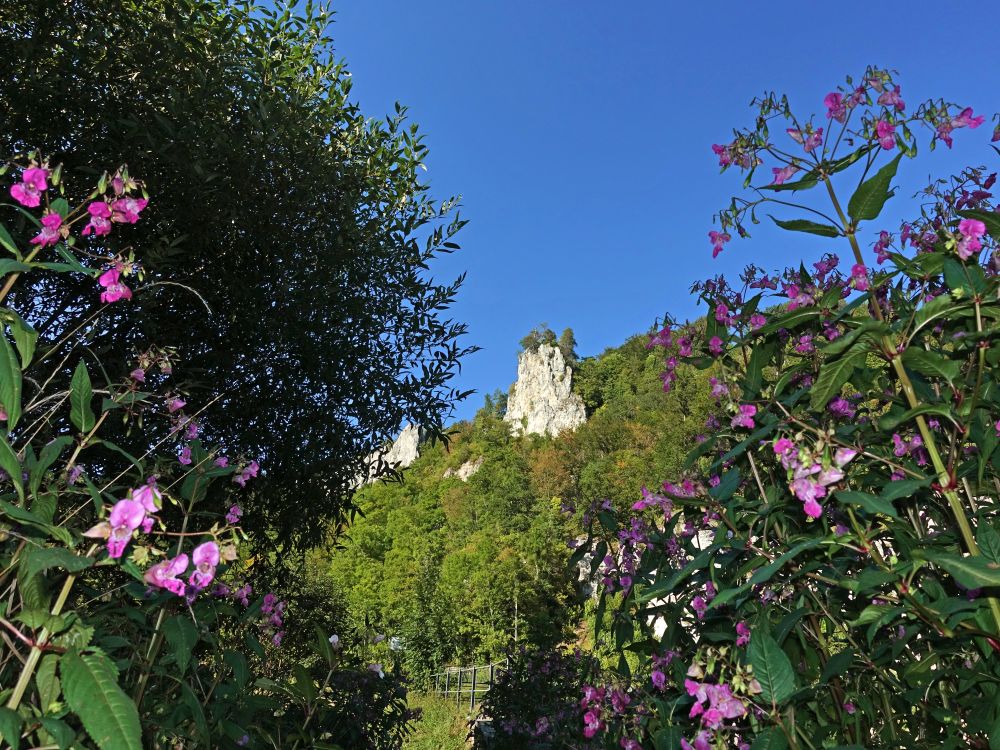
(457, 571)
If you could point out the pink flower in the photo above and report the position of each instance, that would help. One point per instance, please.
(886, 133)
(892, 99)
(805, 345)
(813, 140)
(859, 275)
(28, 191)
(50, 231)
(126, 210)
(725, 158)
(722, 313)
(966, 119)
(205, 557)
(972, 231)
(174, 404)
(592, 723)
(114, 289)
(808, 492)
(757, 321)
(148, 496)
(100, 219)
(795, 135)
(835, 107)
(222, 462)
(718, 240)
(997, 427)
(742, 634)
(843, 456)
(745, 416)
(715, 346)
(126, 516)
(783, 173)
(234, 515)
(659, 679)
(138, 375)
(250, 470)
(166, 575)
(783, 445)
(185, 456)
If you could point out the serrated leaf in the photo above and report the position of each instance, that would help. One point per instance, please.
(971, 572)
(810, 227)
(61, 732)
(182, 635)
(36, 560)
(988, 539)
(10, 727)
(933, 364)
(770, 739)
(847, 341)
(90, 684)
(46, 681)
(832, 377)
(870, 503)
(81, 393)
(871, 195)
(10, 382)
(903, 488)
(771, 667)
(836, 665)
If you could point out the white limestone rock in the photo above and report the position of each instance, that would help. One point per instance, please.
(466, 470)
(400, 454)
(542, 400)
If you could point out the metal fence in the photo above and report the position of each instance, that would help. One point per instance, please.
(468, 683)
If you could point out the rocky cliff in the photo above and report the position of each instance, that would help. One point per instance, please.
(403, 451)
(542, 400)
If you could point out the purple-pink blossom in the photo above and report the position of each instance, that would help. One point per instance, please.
(205, 558)
(886, 133)
(114, 288)
(781, 174)
(718, 239)
(745, 416)
(28, 192)
(175, 404)
(859, 277)
(49, 234)
(835, 107)
(715, 346)
(185, 455)
(742, 634)
(100, 219)
(166, 574)
(972, 231)
(126, 516)
(126, 210)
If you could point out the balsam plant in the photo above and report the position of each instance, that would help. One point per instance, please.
(827, 571)
(124, 609)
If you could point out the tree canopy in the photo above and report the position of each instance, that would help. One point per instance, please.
(287, 242)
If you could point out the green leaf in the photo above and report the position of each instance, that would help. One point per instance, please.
(90, 684)
(10, 464)
(10, 383)
(836, 665)
(871, 195)
(60, 206)
(7, 241)
(35, 560)
(933, 364)
(80, 395)
(10, 727)
(845, 162)
(847, 341)
(12, 266)
(189, 699)
(238, 662)
(810, 227)
(770, 739)
(988, 539)
(832, 377)
(764, 574)
(870, 503)
(941, 305)
(760, 358)
(968, 278)
(182, 635)
(25, 338)
(989, 218)
(970, 572)
(46, 681)
(61, 732)
(903, 488)
(807, 182)
(891, 421)
(48, 457)
(771, 667)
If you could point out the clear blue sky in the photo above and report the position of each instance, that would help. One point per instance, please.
(579, 133)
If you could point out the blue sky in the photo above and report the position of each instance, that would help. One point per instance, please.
(579, 133)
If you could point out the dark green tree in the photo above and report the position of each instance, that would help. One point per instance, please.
(567, 345)
(300, 228)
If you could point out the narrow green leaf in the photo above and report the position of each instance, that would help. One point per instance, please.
(61, 732)
(10, 383)
(870, 503)
(933, 364)
(10, 464)
(81, 393)
(90, 684)
(971, 572)
(903, 488)
(771, 667)
(832, 377)
(182, 635)
(848, 340)
(48, 457)
(8, 266)
(46, 681)
(764, 574)
(60, 206)
(807, 182)
(837, 665)
(892, 421)
(843, 163)
(10, 727)
(25, 338)
(7, 241)
(871, 195)
(810, 227)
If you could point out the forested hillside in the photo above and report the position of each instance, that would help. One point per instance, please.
(454, 571)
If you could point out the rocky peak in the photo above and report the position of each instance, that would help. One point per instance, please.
(399, 454)
(542, 400)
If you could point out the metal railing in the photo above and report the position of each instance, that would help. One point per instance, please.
(470, 681)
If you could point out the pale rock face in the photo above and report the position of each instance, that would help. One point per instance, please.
(466, 470)
(404, 451)
(542, 400)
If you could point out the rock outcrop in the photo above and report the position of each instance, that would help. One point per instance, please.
(542, 400)
(402, 452)
(466, 470)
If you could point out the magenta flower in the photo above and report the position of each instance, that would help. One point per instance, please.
(715, 346)
(222, 462)
(250, 470)
(892, 99)
(114, 288)
(50, 231)
(835, 107)
(138, 375)
(886, 133)
(725, 157)
(174, 404)
(592, 723)
(185, 456)
(843, 456)
(659, 679)
(966, 119)
(28, 192)
(745, 416)
(192, 430)
(813, 140)
(805, 345)
(972, 231)
(783, 173)
(742, 634)
(997, 427)
(859, 276)
(166, 574)
(234, 515)
(100, 219)
(126, 210)
(757, 321)
(126, 516)
(718, 240)
(205, 558)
